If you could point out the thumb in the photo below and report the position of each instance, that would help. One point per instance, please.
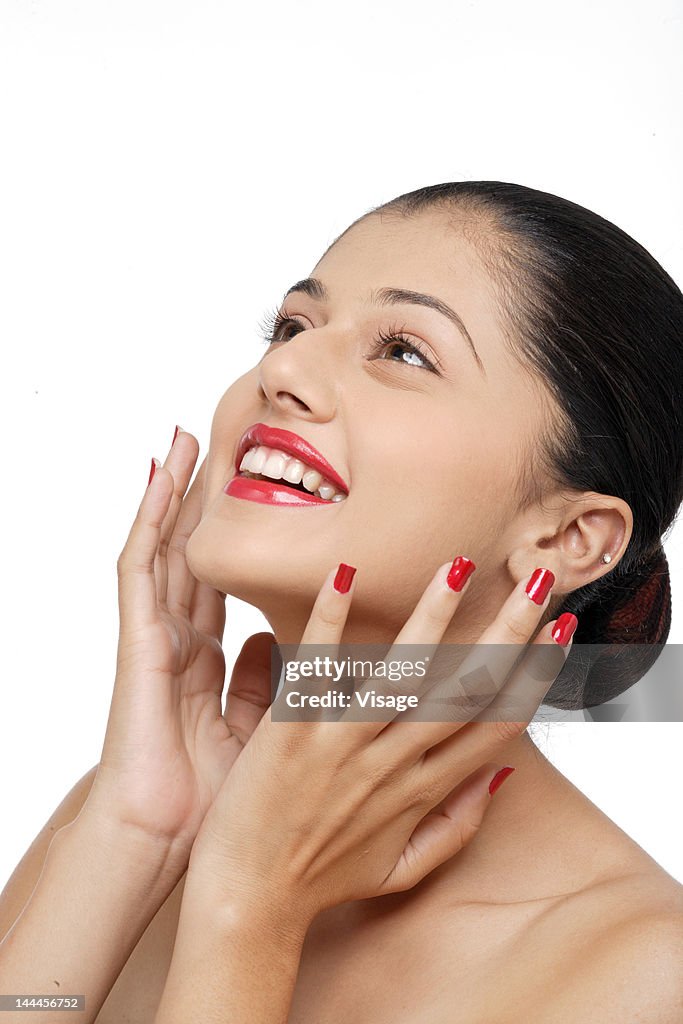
(448, 828)
(249, 692)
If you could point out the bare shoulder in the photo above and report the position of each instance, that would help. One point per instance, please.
(627, 967)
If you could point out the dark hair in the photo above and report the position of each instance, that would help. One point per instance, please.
(596, 316)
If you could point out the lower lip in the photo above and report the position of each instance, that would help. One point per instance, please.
(270, 493)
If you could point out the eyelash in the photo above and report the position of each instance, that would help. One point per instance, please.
(275, 321)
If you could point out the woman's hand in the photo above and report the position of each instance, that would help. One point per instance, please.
(316, 813)
(168, 747)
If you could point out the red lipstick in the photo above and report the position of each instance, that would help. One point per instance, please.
(270, 492)
(291, 443)
(276, 492)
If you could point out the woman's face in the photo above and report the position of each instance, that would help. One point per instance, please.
(431, 457)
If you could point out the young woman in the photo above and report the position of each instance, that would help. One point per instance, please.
(465, 429)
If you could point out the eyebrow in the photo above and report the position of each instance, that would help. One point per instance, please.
(313, 287)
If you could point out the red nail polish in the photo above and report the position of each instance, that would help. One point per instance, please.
(539, 585)
(152, 471)
(344, 577)
(175, 435)
(459, 572)
(564, 628)
(499, 778)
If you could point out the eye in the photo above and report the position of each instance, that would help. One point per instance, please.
(395, 339)
(277, 327)
(274, 324)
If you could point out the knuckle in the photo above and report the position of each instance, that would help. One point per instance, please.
(517, 631)
(426, 793)
(128, 566)
(178, 541)
(385, 687)
(468, 829)
(327, 617)
(504, 730)
(380, 773)
(436, 616)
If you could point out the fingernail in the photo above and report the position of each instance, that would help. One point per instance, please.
(342, 581)
(539, 585)
(499, 778)
(564, 628)
(459, 572)
(177, 429)
(155, 466)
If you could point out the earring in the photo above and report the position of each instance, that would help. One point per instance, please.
(607, 558)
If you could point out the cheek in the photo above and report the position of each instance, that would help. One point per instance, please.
(450, 484)
(233, 407)
(234, 413)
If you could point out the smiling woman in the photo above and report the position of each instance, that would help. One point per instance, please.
(479, 383)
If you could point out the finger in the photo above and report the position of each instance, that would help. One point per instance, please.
(207, 610)
(180, 463)
(488, 735)
(489, 662)
(249, 691)
(448, 828)
(426, 627)
(477, 678)
(137, 587)
(181, 581)
(325, 627)
(532, 677)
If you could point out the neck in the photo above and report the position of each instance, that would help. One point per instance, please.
(541, 839)
(533, 841)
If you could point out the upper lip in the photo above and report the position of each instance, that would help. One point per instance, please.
(293, 444)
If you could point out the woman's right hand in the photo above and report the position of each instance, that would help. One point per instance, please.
(168, 747)
(319, 812)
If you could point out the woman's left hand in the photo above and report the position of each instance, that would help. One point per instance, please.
(315, 813)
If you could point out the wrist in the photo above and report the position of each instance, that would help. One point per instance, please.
(234, 901)
(258, 917)
(152, 858)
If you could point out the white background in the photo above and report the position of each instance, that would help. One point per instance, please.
(167, 169)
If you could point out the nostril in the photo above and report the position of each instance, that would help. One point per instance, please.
(287, 395)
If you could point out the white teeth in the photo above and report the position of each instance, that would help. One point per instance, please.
(293, 472)
(274, 465)
(257, 458)
(312, 479)
(264, 461)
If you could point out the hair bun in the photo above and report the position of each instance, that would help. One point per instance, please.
(635, 608)
(620, 635)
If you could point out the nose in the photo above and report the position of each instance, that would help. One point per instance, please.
(297, 378)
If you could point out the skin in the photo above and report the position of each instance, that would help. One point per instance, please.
(443, 453)
(532, 905)
(454, 445)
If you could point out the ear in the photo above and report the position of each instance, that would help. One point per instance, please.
(588, 526)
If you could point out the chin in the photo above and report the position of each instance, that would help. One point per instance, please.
(248, 567)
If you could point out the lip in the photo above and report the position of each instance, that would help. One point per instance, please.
(291, 443)
(271, 492)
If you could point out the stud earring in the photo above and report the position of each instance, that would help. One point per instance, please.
(607, 558)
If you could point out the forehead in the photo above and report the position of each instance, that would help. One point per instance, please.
(433, 252)
(430, 252)
(426, 246)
